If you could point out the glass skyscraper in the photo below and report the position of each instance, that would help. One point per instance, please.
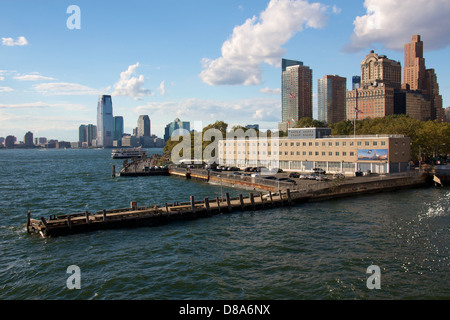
(118, 128)
(105, 122)
(175, 125)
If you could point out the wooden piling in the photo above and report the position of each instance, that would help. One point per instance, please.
(167, 208)
(44, 222)
(288, 192)
(252, 200)
(271, 198)
(281, 196)
(104, 215)
(262, 199)
(208, 209)
(28, 221)
(241, 199)
(192, 204)
(69, 222)
(228, 202)
(88, 221)
(218, 203)
(113, 171)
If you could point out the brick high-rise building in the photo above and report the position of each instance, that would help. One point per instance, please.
(296, 92)
(414, 71)
(380, 78)
(417, 78)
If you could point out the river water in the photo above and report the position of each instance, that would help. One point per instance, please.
(317, 251)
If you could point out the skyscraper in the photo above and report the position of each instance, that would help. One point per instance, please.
(118, 128)
(296, 92)
(414, 72)
(105, 122)
(332, 98)
(82, 134)
(417, 78)
(143, 128)
(374, 98)
(28, 139)
(376, 69)
(175, 125)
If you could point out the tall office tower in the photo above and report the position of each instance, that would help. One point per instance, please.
(118, 128)
(377, 69)
(82, 134)
(91, 133)
(332, 91)
(414, 72)
(28, 139)
(447, 114)
(175, 125)
(417, 77)
(143, 128)
(356, 82)
(296, 92)
(105, 122)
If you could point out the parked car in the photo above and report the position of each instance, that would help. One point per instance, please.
(319, 171)
(294, 175)
(303, 176)
(322, 177)
(270, 178)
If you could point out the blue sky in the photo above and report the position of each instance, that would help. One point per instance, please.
(200, 61)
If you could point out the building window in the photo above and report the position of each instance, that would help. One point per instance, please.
(304, 144)
(337, 153)
(317, 153)
(304, 153)
(310, 144)
(352, 154)
(375, 143)
(323, 153)
(317, 144)
(330, 144)
(330, 154)
(383, 143)
(292, 144)
(359, 143)
(337, 144)
(351, 144)
(344, 153)
(298, 153)
(367, 143)
(310, 153)
(344, 144)
(298, 144)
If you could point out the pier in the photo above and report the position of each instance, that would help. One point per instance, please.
(135, 216)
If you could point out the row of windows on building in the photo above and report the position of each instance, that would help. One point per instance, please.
(302, 153)
(310, 144)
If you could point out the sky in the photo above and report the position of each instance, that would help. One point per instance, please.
(199, 61)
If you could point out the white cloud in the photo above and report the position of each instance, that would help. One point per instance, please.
(268, 90)
(2, 78)
(162, 88)
(6, 89)
(21, 41)
(336, 10)
(64, 88)
(130, 85)
(260, 109)
(32, 77)
(259, 40)
(41, 105)
(393, 22)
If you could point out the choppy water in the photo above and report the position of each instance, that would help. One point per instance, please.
(311, 251)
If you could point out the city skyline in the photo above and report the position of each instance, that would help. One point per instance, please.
(51, 76)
